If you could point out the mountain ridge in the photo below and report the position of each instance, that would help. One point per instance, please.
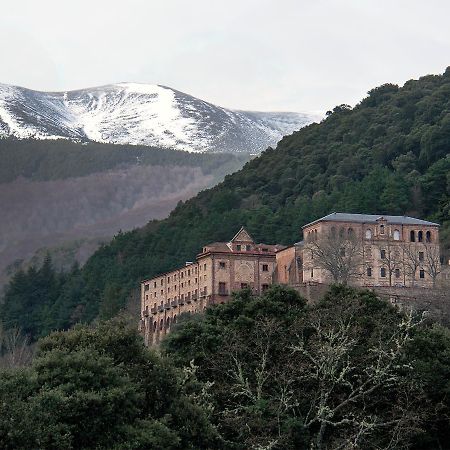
(141, 114)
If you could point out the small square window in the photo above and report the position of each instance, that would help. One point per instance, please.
(244, 285)
(222, 265)
(265, 267)
(146, 287)
(265, 287)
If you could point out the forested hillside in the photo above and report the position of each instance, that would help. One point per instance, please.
(389, 154)
(67, 197)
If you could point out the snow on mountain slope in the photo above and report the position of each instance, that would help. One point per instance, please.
(131, 113)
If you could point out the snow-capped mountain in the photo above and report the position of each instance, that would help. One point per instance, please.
(130, 113)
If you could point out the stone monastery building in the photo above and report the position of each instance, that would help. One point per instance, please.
(370, 250)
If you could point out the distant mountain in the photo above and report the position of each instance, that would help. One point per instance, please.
(130, 113)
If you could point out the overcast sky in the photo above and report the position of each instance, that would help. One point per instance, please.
(280, 55)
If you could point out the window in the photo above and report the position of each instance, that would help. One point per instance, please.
(161, 324)
(383, 254)
(182, 274)
(420, 236)
(351, 233)
(189, 272)
(155, 325)
(162, 292)
(182, 284)
(204, 266)
(312, 273)
(421, 256)
(265, 267)
(381, 229)
(396, 235)
(369, 271)
(383, 272)
(247, 248)
(368, 234)
(162, 281)
(341, 232)
(265, 249)
(146, 287)
(146, 297)
(196, 280)
(412, 236)
(168, 289)
(422, 273)
(168, 279)
(244, 285)
(222, 288)
(222, 265)
(238, 247)
(428, 236)
(265, 287)
(315, 235)
(397, 273)
(154, 284)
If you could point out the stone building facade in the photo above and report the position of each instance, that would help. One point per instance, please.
(387, 251)
(219, 269)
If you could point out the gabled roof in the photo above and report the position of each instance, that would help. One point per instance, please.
(242, 236)
(370, 218)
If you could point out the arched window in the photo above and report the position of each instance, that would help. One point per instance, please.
(161, 324)
(369, 234)
(155, 325)
(341, 232)
(396, 235)
(412, 236)
(315, 235)
(420, 236)
(351, 233)
(168, 323)
(381, 229)
(428, 236)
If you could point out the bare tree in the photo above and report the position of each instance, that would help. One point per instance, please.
(340, 256)
(344, 389)
(390, 256)
(15, 350)
(432, 262)
(411, 261)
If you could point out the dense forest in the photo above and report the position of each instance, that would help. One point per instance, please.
(67, 197)
(44, 160)
(388, 154)
(270, 372)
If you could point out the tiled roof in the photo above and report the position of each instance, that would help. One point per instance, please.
(371, 218)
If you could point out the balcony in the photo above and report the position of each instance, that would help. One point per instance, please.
(188, 300)
(181, 301)
(174, 303)
(154, 310)
(160, 308)
(167, 305)
(145, 312)
(194, 297)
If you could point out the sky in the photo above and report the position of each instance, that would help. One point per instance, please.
(267, 55)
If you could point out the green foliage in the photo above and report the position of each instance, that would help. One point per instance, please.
(349, 371)
(99, 388)
(389, 154)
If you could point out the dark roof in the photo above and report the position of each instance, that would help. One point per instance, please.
(370, 218)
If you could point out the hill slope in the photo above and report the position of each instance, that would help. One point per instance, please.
(389, 154)
(141, 114)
